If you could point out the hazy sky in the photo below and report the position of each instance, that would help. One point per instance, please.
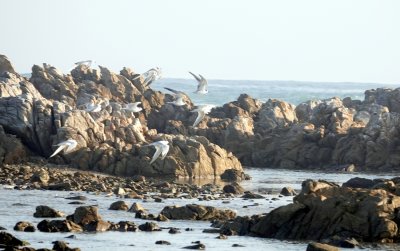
(311, 40)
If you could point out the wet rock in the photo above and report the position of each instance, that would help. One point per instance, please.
(24, 226)
(359, 183)
(63, 246)
(173, 230)
(163, 243)
(149, 227)
(119, 191)
(97, 226)
(315, 246)
(47, 212)
(85, 214)
(41, 175)
(199, 246)
(233, 175)
(126, 226)
(196, 212)
(233, 188)
(79, 197)
(7, 239)
(119, 205)
(250, 195)
(58, 226)
(137, 207)
(237, 245)
(288, 191)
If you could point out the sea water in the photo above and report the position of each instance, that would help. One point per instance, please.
(19, 205)
(294, 92)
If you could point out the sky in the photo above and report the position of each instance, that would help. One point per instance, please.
(309, 40)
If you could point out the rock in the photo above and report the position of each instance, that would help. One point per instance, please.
(314, 246)
(47, 212)
(173, 230)
(7, 239)
(237, 245)
(5, 65)
(86, 214)
(359, 183)
(288, 191)
(250, 195)
(199, 246)
(137, 207)
(149, 227)
(97, 226)
(63, 246)
(163, 243)
(196, 212)
(119, 191)
(79, 197)
(24, 226)
(233, 175)
(126, 226)
(119, 205)
(41, 176)
(233, 188)
(58, 226)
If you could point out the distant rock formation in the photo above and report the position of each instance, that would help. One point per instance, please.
(49, 108)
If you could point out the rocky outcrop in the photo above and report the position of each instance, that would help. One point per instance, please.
(196, 212)
(49, 108)
(326, 211)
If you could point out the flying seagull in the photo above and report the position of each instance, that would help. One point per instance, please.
(162, 149)
(202, 86)
(86, 63)
(178, 97)
(133, 107)
(201, 110)
(67, 146)
(151, 75)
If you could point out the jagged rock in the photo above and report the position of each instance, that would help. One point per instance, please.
(119, 205)
(58, 226)
(137, 207)
(5, 65)
(47, 212)
(196, 212)
(11, 149)
(24, 226)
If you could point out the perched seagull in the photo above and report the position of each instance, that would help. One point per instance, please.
(201, 110)
(133, 107)
(151, 75)
(178, 97)
(202, 87)
(92, 107)
(86, 63)
(67, 146)
(162, 148)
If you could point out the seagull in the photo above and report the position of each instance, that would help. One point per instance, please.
(92, 107)
(201, 110)
(178, 97)
(68, 145)
(162, 149)
(202, 84)
(151, 75)
(133, 107)
(86, 63)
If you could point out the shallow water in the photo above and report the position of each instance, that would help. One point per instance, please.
(20, 205)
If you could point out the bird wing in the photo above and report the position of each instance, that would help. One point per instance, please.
(196, 77)
(172, 90)
(71, 145)
(157, 153)
(200, 116)
(164, 151)
(59, 149)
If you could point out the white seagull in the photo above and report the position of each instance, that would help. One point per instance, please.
(151, 75)
(86, 63)
(67, 146)
(92, 107)
(133, 107)
(162, 149)
(202, 86)
(178, 97)
(201, 110)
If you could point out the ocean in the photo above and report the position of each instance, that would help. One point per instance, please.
(294, 92)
